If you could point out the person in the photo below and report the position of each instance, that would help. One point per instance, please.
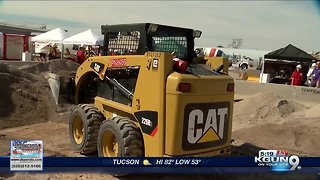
(50, 52)
(316, 76)
(67, 52)
(80, 55)
(296, 77)
(91, 52)
(100, 51)
(282, 74)
(55, 52)
(310, 73)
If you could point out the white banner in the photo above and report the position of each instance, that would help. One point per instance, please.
(41, 47)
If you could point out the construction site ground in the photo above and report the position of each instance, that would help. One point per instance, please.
(262, 120)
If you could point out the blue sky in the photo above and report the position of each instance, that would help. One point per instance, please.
(266, 25)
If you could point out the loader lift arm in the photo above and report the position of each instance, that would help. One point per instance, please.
(121, 88)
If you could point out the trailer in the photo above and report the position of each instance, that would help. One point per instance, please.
(13, 45)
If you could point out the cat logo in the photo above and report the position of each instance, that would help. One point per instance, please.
(205, 125)
(97, 67)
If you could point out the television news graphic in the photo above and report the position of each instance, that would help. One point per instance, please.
(168, 165)
(279, 160)
(26, 155)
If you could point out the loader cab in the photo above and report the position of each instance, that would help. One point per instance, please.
(137, 39)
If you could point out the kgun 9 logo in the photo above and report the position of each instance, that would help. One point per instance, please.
(278, 160)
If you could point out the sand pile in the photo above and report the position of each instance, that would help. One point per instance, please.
(26, 98)
(263, 108)
(311, 112)
(299, 136)
(270, 122)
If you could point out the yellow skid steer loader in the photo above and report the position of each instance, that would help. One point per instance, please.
(149, 95)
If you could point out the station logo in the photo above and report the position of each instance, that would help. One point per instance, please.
(278, 160)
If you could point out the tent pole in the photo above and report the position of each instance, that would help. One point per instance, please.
(62, 50)
(262, 69)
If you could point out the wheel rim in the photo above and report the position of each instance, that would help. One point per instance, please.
(78, 130)
(109, 143)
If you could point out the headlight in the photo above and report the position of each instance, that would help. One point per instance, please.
(196, 33)
(153, 28)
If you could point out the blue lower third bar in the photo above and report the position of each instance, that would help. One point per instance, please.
(179, 165)
(157, 162)
(142, 162)
(166, 170)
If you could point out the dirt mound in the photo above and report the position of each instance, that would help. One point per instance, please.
(313, 112)
(299, 136)
(271, 122)
(57, 66)
(26, 98)
(263, 108)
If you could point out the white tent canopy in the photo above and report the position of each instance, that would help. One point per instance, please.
(54, 36)
(87, 37)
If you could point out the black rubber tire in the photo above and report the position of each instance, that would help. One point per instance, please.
(128, 135)
(244, 66)
(91, 119)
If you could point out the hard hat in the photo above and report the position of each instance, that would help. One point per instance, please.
(313, 65)
(299, 66)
